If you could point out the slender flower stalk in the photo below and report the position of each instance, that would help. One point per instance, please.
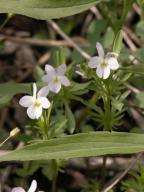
(104, 63)
(55, 77)
(36, 103)
(12, 133)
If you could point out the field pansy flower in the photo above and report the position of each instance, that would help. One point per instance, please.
(55, 77)
(35, 103)
(103, 63)
(32, 188)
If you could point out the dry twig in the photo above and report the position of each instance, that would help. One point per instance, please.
(42, 42)
(120, 176)
(68, 39)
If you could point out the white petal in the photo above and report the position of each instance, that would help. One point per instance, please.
(34, 112)
(95, 61)
(47, 78)
(44, 102)
(31, 112)
(100, 50)
(43, 92)
(33, 186)
(34, 90)
(64, 80)
(51, 72)
(49, 69)
(55, 87)
(113, 63)
(80, 73)
(106, 72)
(99, 71)
(18, 189)
(26, 101)
(61, 69)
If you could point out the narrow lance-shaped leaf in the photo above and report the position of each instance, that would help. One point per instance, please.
(79, 145)
(46, 9)
(117, 45)
(70, 117)
(8, 90)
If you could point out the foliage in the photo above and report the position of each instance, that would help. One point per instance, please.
(79, 145)
(89, 99)
(136, 182)
(46, 9)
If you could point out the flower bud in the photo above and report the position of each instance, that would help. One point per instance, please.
(14, 132)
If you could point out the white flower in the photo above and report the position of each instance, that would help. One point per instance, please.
(35, 103)
(32, 188)
(103, 63)
(55, 77)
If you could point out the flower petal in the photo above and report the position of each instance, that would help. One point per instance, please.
(49, 69)
(26, 101)
(44, 102)
(47, 78)
(64, 80)
(34, 90)
(106, 72)
(95, 61)
(50, 73)
(99, 71)
(18, 189)
(33, 186)
(55, 87)
(43, 92)
(113, 63)
(34, 112)
(100, 50)
(61, 69)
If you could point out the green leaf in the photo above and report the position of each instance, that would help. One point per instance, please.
(46, 9)
(139, 54)
(38, 72)
(14, 88)
(135, 69)
(139, 101)
(79, 86)
(108, 38)
(8, 90)
(140, 29)
(117, 45)
(79, 145)
(28, 168)
(95, 30)
(70, 117)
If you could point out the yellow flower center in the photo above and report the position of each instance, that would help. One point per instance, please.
(104, 64)
(55, 80)
(37, 105)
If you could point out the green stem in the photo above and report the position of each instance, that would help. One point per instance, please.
(108, 115)
(117, 25)
(127, 6)
(103, 171)
(1, 144)
(107, 107)
(56, 168)
(85, 111)
(105, 14)
(46, 123)
(54, 184)
(5, 21)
